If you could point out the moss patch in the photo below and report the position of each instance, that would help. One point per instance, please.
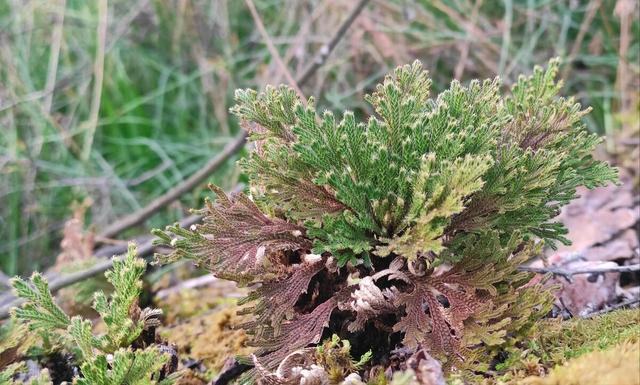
(554, 342)
(559, 341)
(618, 365)
(210, 338)
(186, 303)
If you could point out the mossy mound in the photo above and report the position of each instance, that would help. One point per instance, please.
(618, 365)
(556, 342)
(559, 341)
(184, 303)
(210, 338)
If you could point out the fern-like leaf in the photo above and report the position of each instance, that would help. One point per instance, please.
(40, 310)
(235, 240)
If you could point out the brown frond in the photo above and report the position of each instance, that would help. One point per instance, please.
(294, 335)
(274, 300)
(236, 240)
(443, 307)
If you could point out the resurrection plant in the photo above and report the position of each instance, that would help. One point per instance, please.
(402, 231)
(127, 353)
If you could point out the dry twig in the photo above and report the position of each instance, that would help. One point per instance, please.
(464, 50)
(628, 303)
(567, 274)
(145, 249)
(326, 49)
(594, 5)
(200, 176)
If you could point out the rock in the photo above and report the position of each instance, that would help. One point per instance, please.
(587, 292)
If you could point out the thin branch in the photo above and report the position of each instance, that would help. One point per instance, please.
(200, 176)
(230, 288)
(5, 280)
(326, 49)
(628, 303)
(229, 373)
(272, 49)
(464, 51)
(567, 274)
(584, 28)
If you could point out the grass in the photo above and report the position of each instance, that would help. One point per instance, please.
(170, 68)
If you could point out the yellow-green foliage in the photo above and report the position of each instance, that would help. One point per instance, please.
(334, 355)
(554, 342)
(562, 340)
(618, 365)
(14, 342)
(105, 359)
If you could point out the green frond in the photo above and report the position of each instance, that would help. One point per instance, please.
(7, 373)
(39, 310)
(125, 277)
(105, 359)
(80, 332)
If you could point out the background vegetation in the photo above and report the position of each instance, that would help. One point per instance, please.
(110, 103)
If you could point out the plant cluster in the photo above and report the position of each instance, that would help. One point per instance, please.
(403, 230)
(126, 353)
(6, 376)
(330, 362)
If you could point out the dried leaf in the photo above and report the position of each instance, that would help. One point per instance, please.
(77, 244)
(295, 334)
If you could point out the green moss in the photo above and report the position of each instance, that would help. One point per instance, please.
(210, 338)
(334, 355)
(378, 379)
(559, 341)
(554, 342)
(618, 365)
